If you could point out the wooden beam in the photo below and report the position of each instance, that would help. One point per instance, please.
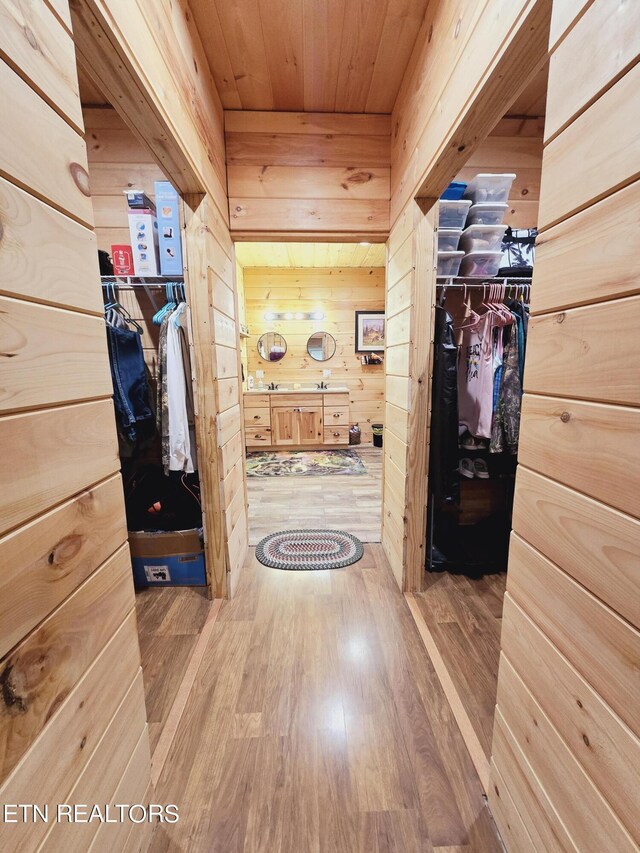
(104, 59)
(199, 284)
(517, 61)
(420, 357)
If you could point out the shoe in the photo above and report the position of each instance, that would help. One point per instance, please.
(469, 442)
(466, 468)
(480, 469)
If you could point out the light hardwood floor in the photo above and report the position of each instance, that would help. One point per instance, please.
(350, 502)
(464, 616)
(170, 620)
(317, 723)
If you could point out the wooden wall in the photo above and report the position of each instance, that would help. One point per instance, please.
(72, 716)
(308, 173)
(410, 287)
(118, 161)
(337, 292)
(566, 750)
(515, 145)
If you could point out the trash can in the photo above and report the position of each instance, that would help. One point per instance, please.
(377, 434)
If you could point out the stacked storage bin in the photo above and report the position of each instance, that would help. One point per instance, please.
(476, 250)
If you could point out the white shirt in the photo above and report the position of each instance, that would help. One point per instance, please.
(180, 457)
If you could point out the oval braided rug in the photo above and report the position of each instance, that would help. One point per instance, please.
(307, 550)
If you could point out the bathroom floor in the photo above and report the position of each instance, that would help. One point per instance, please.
(336, 501)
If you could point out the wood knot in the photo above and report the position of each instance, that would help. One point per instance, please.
(579, 703)
(83, 742)
(12, 700)
(565, 417)
(586, 740)
(456, 32)
(80, 178)
(525, 191)
(561, 317)
(31, 38)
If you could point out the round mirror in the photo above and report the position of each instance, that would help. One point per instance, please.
(321, 346)
(272, 346)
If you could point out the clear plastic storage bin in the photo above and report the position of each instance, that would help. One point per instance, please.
(484, 264)
(493, 188)
(449, 263)
(453, 214)
(487, 213)
(482, 238)
(448, 239)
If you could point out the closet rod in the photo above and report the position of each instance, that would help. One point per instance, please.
(444, 281)
(142, 280)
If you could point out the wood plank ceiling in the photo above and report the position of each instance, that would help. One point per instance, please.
(311, 55)
(310, 254)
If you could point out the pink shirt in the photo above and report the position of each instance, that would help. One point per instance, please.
(475, 376)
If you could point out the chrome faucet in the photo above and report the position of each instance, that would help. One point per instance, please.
(322, 386)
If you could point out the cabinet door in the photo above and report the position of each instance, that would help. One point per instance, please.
(283, 427)
(309, 425)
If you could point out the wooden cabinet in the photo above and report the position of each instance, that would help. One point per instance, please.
(308, 421)
(296, 420)
(298, 425)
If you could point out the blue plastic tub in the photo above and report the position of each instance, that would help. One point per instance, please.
(454, 191)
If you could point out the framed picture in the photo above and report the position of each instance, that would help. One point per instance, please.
(370, 331)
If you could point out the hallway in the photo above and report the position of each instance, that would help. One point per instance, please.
(317, 723)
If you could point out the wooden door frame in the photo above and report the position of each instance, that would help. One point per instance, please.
(117, 73)
(515, 66)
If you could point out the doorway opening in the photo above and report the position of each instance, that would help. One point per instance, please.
(481, 323)
(163, 507)
(312, 340)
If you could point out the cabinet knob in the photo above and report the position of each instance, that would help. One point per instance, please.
(336, 414)
(337, 434)
(258, 435)
(256, 417)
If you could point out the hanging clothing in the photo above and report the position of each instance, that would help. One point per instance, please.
(444, 481)
(505, 430)
(475, 376)
(179, 439)
(162, 408)
(131, 394)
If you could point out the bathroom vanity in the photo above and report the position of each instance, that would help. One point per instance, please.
(297, 418)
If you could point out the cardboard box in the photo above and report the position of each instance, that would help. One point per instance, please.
(122, 259)
(143, 228)
(174, 558)
(139, 200)
(168, 213)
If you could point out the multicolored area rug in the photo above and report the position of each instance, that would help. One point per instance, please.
(307, 550)
(288, 463)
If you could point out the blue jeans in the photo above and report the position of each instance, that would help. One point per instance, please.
(130, 387)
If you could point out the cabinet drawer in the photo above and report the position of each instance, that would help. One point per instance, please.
(336, 435)
(256, 401)
(336, 416)
(257, 417)
(292, 401)
(335, 400)
(258, 436)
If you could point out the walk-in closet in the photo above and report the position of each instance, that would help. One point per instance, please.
(485, 249)
(139, 222)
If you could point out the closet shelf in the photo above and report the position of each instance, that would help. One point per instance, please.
(453, 281)
(141, 279)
